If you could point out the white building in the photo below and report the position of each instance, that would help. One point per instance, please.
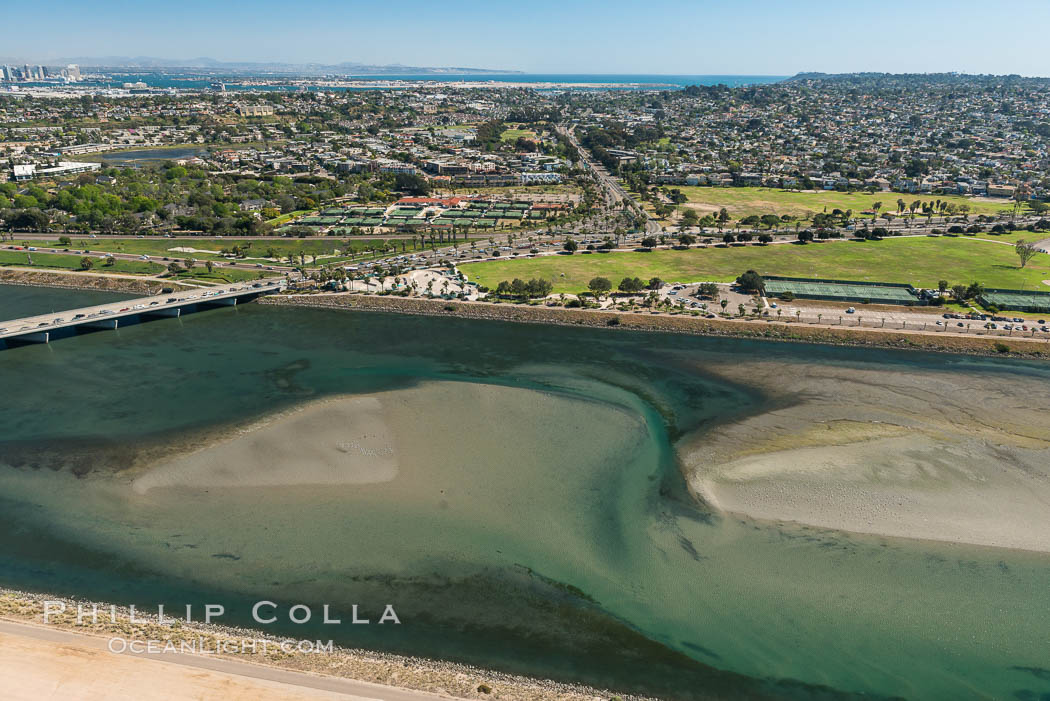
(540, 178)
(30, 170)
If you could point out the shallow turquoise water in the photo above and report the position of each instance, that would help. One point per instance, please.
(582, 558)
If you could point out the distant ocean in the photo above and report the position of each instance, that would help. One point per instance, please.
(192, 80)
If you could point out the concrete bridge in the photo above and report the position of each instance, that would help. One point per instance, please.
(45, 328)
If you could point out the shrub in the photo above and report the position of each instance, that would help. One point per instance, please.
(1002, 348)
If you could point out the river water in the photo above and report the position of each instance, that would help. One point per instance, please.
(537, 523)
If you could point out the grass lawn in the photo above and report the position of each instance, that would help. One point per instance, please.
(72, 262)
(744, 201)
(127, 267)
(514, 134)
(221, 275)
(919, 261)
(285, 218)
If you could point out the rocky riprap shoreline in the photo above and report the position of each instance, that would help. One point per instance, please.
(38, 278)
(671, 323)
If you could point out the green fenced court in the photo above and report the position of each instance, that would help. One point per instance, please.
(1017, 299)
(842, 290)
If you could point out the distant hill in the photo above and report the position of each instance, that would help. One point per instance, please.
(211, 64)
(914, 78)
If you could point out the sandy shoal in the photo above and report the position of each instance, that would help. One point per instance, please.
(946, 456)
(339, 441)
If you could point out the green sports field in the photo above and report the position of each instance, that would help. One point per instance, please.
(921, 262)
(515, 134)
(744, 201)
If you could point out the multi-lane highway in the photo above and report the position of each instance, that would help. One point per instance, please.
(44, 328)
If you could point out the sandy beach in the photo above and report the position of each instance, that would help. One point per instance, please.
(67, 661)
(894, 453)
(79, 668)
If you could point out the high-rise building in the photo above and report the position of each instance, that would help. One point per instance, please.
(73, 70)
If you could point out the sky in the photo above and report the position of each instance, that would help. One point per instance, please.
(746, 37)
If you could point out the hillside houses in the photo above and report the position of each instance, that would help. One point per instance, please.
(916, 134)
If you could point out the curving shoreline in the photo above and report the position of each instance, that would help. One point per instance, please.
(891, 453)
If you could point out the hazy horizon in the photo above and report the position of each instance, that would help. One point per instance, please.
(749, 37)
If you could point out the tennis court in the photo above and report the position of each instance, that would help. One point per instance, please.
(1017, 299)
(842, 290)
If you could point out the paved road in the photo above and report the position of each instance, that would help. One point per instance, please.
(615, 194)
(197, 237)
(346, 687)
(129, 307)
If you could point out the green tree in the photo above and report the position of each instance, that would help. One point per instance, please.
(751, 282)
(631, 285)
(1025, 251)
(599, 286)
(708, 289)
(723, 217)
